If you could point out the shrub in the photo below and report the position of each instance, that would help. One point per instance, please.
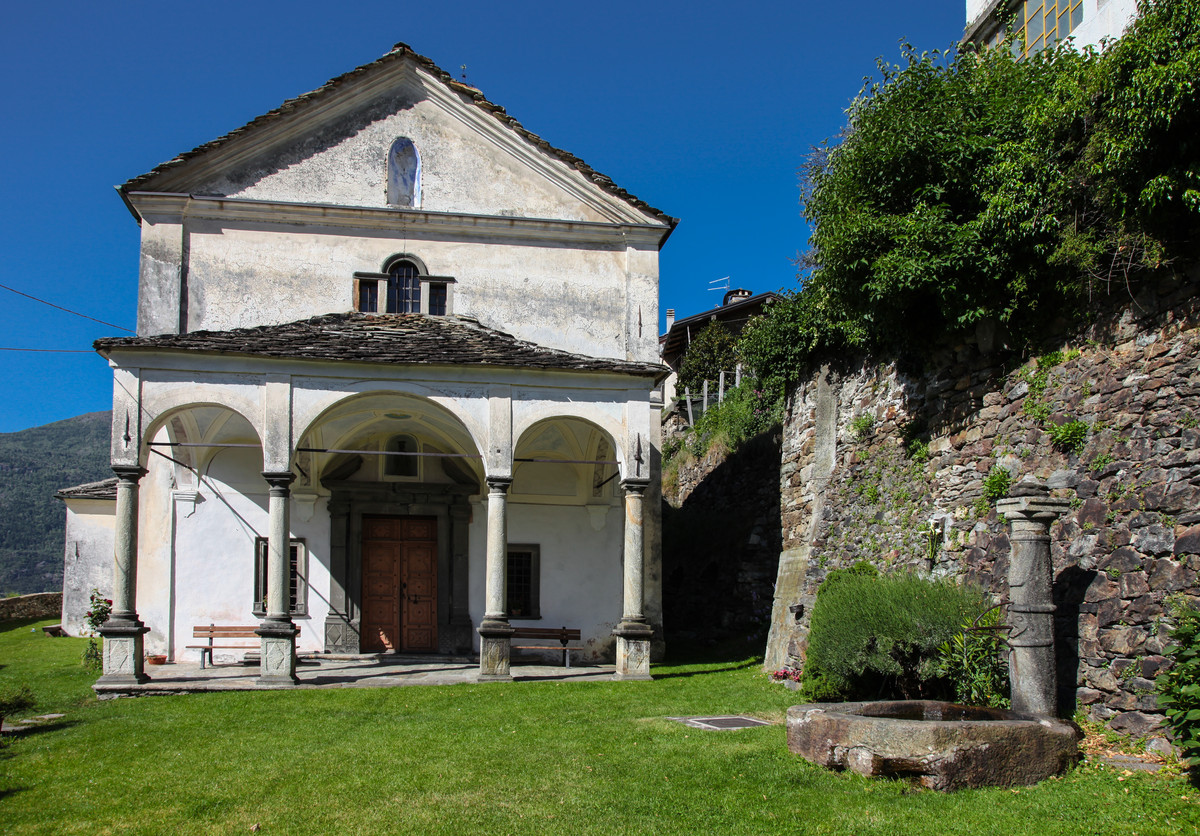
(997, 483)
(1069, 436)
(712, 350)
(975, 662)
(746, 411)
(97, 614)
(878, 637)
(1179, 687)
(861, 425)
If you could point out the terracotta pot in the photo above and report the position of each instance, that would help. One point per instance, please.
(156, 660)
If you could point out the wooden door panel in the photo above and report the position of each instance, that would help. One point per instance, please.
(399, 563)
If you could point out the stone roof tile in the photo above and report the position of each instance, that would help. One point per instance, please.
(104, 489)
(394, 339)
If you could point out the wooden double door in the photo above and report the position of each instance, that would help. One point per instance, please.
(399, 572)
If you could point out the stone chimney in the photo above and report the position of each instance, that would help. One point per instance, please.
(670, 318)
(736, 295)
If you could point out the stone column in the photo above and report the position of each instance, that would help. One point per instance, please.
(124, 661)
(633, 633)
(1031, 668)
(277, 632)
(494, 631)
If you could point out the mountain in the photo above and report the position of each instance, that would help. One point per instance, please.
(34, 464)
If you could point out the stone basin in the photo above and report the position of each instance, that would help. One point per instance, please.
(941, 745)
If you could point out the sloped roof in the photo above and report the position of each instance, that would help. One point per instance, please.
(104, 489)
(397, 53)
(393, 339)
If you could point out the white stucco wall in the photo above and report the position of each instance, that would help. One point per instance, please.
(580, 570)
(88, 558)
(570, 298)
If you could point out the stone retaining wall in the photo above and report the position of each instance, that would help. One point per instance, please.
(852, 490)
(37, 605)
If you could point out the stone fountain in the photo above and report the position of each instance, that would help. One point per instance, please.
(945, 746)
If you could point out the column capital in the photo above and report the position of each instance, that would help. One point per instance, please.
(279, 480)
(635, 484)
(129, 472)
(499, 484)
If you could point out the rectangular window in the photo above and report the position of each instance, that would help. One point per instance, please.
(523, 588)
(437, 299)
(368, 295)
(299, 577)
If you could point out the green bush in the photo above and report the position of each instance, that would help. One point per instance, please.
(878, 637)
(973, 187)
(746, 412)
(1179, 687)
(713, 350)
(975, 662)
(997, 483)
(1069, 436)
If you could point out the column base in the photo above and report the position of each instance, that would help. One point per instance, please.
(495, 650)
(633, 650)
(277, 665)
(124, 652)
(341, 634)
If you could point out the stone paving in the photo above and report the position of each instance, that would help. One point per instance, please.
(368, 671)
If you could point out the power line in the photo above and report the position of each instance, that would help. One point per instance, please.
(52, 350)
(68, 310)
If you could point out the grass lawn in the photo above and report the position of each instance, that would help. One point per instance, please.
(499, 758)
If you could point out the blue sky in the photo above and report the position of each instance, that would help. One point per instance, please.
(705, 110)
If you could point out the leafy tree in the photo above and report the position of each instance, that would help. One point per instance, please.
(712, 350)
(973, 186)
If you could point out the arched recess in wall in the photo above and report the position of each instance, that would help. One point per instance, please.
(404, 174)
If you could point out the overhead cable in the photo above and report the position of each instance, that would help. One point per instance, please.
(68, 310)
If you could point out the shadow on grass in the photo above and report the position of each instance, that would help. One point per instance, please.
(733, 655)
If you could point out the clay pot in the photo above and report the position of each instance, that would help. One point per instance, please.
(159, 659)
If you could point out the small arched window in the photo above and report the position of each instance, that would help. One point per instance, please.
(403, 174)
(402, 465)
(403, 288)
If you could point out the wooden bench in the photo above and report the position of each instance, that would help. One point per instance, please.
(562, 635)
(220, 633)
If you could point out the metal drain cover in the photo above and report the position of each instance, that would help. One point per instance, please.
(720, 723)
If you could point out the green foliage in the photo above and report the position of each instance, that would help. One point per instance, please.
(1070, 436)
(747, 411)
(861, 425)
(996, 483)
(34, 464)
(976, 188)
(874, 637)
(711, 351)
(99, 609)
(975, 662)
(1179, 686)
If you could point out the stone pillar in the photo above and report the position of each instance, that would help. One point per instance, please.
(277, 632)
(124, 661)
(460, 610)
(634, 632)
(1031, 668)
(495, 633)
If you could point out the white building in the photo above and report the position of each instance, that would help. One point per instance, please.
(1045, 22)
(394, 384)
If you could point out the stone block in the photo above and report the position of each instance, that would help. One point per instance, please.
(940, 745)
(1102, 588)
(1122, 560)
(1135, 723)
(1154, 539)
(1123, 641)
(1093, 511)
(1087, 696)
(1169, 575)
(1152, 666)
(1187, 540)
(1133, 584)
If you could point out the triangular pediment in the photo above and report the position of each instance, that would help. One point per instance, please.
(331, 147)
